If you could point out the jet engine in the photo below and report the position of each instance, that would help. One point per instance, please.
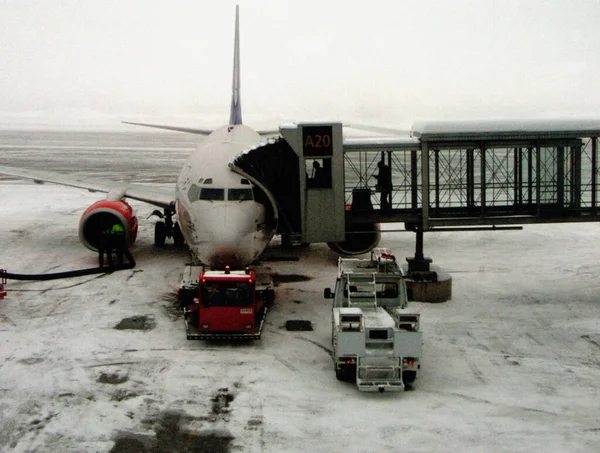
(102, 216)
(360, 238)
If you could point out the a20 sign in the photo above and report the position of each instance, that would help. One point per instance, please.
(317, 141)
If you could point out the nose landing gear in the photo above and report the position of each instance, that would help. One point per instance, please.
(166, 228)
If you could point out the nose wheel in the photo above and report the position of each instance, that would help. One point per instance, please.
(177, 235)
(166, 228)
(160, 233)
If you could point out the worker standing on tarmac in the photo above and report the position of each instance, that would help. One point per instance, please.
(105, 246)
(114, 240)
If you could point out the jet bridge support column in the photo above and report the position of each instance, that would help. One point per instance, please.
(419, 263)
(426, 282)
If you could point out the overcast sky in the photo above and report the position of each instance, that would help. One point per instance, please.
(379, 62)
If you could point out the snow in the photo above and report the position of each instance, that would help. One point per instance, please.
(510, 364)
(502, 128)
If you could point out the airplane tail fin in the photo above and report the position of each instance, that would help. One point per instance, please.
(235, 115)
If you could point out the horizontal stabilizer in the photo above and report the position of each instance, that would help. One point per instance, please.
(189, 130)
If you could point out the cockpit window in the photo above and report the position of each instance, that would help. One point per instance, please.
(245, 181)
(193, 192)
(239, 194)
(212, 194)
(208, 181)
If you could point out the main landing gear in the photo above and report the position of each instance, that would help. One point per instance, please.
(166, 228)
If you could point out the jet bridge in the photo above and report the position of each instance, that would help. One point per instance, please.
(462, 175)
(301, 176)
(473, 174)
(446, 176)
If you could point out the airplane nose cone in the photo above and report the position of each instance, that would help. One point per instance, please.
(232, 232)
(230, 225)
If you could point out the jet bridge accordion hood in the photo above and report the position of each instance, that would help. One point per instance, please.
(273, 164)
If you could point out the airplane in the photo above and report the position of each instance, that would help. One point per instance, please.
(223, 217)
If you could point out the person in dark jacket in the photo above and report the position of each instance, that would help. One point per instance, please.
(384, 185)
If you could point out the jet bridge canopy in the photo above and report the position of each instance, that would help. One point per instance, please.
(497, 130)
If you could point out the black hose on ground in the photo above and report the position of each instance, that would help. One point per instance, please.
(69, 274)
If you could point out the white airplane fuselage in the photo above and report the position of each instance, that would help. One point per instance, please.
(220, 220)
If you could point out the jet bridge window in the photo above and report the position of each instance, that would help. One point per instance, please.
(318, 173)
(239, 194)
(212, 194)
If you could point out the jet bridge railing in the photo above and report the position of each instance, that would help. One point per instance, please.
(360, 168)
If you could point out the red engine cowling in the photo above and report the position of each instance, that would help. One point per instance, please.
(360, 238)
(103, 215)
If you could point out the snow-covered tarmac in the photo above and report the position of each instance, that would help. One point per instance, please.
(511, 363)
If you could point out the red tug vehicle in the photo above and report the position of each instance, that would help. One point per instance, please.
(224, 304)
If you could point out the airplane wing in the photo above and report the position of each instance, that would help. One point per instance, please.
(378, 129)
(162, 198)
(198, 131)
(189, 130)
(364, 127)
(268, 132)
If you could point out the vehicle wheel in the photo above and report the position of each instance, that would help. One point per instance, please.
(177, 235)
(270, 297)
(351, 373)
(258, 315)
(286, 241)
(160, 234)
(346, 373)
(409, 376)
